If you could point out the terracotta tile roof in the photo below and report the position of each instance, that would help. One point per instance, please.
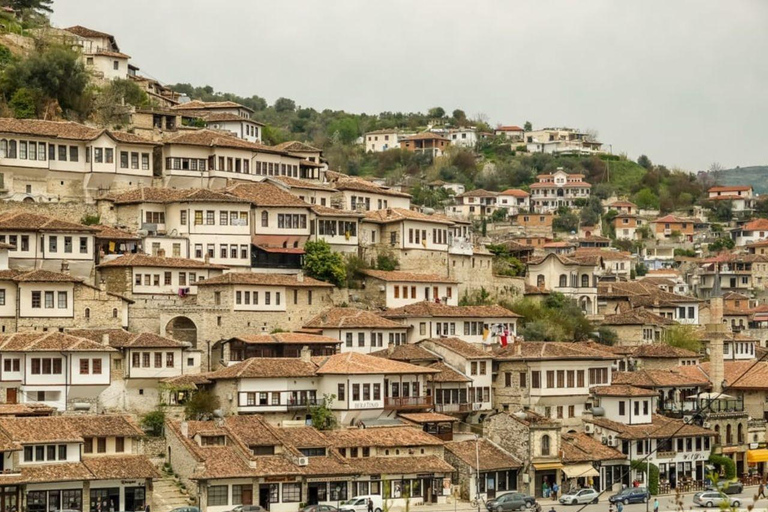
(265, 194)
(353, 363)
(447, 373)
(427, 417)
(408, 352)
(25, 221)
(302, 437)
(172, 195)
(382, 437)
(102, 425)
(756, 225)
(295, 338)
(112, 233)
(265, 367)
(492, 458)
(509, 129)
(479, 192)
(642, 294)
(26, 409)
(743, 375)
(147, 340)
(121, 467)
(660, 428)
(546, 350)
(397, 276)
(732, 188)
(581, 447)
(254, 278)
(144, 260)
(44, 473)
(400, 465)
(188, 381)
(296, 146)
(515, 192)
(52, 341)
(45, 429)
(675, 377)
(223, 117)
(591, 260)
(298, 183)
(460, 347)
(81, 31)
(129, 138)
(50, 129)
(324, 211)
(390, 215)
(427, 309)
(424, 136)
(621, 390)
(636, 316)
(221, 462)
(623, 204)
(252, 430)
(350, 318)
(117, 337)
(218, 139)
(607, 254)
(203, 105)
(44, 276)
(661, 351)
(343, 182)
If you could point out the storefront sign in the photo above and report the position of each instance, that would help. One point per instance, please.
(694, 456)
(270, 479)
(366, 405)
(129, 482)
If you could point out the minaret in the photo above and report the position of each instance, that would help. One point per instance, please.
(716, 333)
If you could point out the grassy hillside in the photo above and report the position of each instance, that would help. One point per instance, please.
(757, 176)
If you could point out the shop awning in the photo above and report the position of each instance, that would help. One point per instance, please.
(580, 470)
(755, 456)
(548, 465)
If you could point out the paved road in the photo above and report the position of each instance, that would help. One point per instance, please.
(666, 504)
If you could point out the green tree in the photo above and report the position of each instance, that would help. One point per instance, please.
(201, 405)
(460, 116)
(113, 104)
(436, 113)
(285, 105)
(24, 103)
(642, 466)
(322, 414)
(646, 199)
(37, 6)
(528, 126)
(56, 72)
(153, 421)
(722, 243)
(386, 260)
(644, 161)
(641, 269)
(321, 263)
(683, 336)
(346, 127)
(567, 222)
(606, 335)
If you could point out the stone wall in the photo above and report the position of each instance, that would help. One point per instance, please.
(510, 398)
(181, 459)
(72, 211)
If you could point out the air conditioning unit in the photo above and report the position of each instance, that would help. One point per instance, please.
(707, 424)
(302, 461)
(588, 428)
(477, 406)
(604, 440)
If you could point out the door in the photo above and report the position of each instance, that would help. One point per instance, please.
(264, 496)
(247, 495)
(312, 494)
(11, 396)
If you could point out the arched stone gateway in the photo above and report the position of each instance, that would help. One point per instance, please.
(182, 328)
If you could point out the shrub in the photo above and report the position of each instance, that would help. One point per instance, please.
(321, 263)
(153, 422)
(201, 405)
(653, 480)
(724, 464)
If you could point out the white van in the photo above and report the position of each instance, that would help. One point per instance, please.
(360, 504)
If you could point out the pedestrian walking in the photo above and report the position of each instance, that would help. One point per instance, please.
(655, 504)
(761, 491)
(370, 505)
(555, 488)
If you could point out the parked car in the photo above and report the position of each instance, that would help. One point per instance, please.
(186, 509)
(732, 487)
(319, 508)
(510, 501)
(247, 508)
(631, 495)
(579, 497)
(360, 504)
(712, 499)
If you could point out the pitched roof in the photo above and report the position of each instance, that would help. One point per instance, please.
(515, 192)
(427, 309)
(19, 220)
(424, 136)
(661, 427)
(79, 30)
(546, 350)
(52, 341)
(113, 233)
(731, 188)
(407, 352)
(217, 139)
(636, 316)
(28, 430)
(390, 215)
(296, 338)
(103, 425)
(65, 130)
(341, 181)
(203, 105)
(511, 128)
(756, 225)
(353, 363)
(265, 367)
(460, 347)
(478, 192)
(743, 375)
(296, 146)
(121, 467)
(491, 457)
(265, 194)
(409, 277)
(37, 276)
(254, 278)
(172, 195)
(447, 373)
(350, 318)
(621, 390)
(297, 183)
(144, 260)
(427, 417)
(382, 437)
(674, 377)
(581, 447)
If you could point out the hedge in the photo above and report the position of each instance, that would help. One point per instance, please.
(726, 463)
(653, 480)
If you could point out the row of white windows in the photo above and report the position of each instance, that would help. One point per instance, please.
(46, 299)
(21, 243)
(154, 279)
(245, 298)
(225, 251)
(377, 339)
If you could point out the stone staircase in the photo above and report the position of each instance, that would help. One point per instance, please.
(167, 495)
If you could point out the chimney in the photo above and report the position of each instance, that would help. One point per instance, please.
(300, 277)
(207, 257)
(185, 429)
(65, 267)
(105, 339)
(161, 253)
(390, 349)
(610, 288)
(306, 354)
(716, 331)
(103, 285)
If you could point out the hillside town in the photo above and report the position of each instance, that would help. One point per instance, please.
(244, 324)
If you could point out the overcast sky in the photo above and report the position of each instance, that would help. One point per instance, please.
(685, 82)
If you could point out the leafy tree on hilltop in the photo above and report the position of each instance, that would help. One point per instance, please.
(321, 263)
(285, 105)
(644, 161)
(36, 6)
(436, 112)
(528, 126)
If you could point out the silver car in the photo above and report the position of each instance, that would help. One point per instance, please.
(580, 497)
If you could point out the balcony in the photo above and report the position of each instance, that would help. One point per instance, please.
(457, 408)
(302, 404)
(407, 402)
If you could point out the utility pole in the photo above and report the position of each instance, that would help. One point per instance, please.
(648, 472)
(477, 471)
